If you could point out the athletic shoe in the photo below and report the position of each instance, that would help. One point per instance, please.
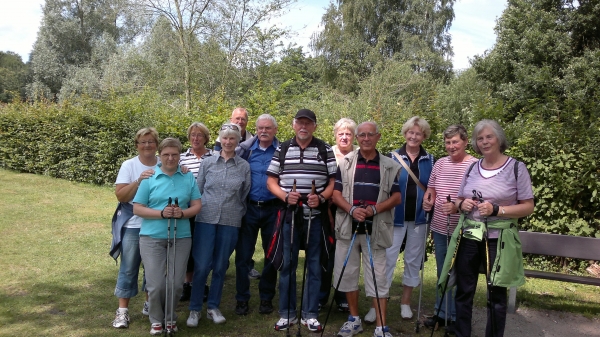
(187, 292)
(266, 307)
(350, 328)
(241, 308)
(312, 324)
(283, 324)
(343, 307)
(405, 311)
(171, 326)
(433, 320)
(253, 274)
(146, 309)
(371, 316)
(215, 315)
(193, 319)
(156, 329)
(121, 319)
(384, 333)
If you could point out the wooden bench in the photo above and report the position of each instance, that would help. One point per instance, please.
(576, 247)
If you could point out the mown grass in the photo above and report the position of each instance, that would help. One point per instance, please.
(58, 279)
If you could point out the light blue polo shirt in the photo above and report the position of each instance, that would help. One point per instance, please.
(155, 191)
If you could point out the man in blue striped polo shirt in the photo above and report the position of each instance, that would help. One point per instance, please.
(306, 159)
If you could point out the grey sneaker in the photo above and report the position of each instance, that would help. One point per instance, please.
(384, 333)
(146, 309)
(215, 315)
(121, 319)
(253, 274)
(350, 328)
(192, 321)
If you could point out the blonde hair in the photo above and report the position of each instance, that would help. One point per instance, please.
(202, 128)
(420, 122)
(146, 131)
(344, 123)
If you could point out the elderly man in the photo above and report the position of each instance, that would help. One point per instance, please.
(298, 163)
(366, 192)
(239, 116)
(260, 215)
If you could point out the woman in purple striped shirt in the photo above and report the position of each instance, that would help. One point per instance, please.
(494, 193)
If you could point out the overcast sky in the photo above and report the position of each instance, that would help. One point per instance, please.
(472, 29)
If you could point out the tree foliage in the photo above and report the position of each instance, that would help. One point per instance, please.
(13, 76)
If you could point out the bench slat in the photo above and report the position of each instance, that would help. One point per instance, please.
(562, 277)
(576, 247)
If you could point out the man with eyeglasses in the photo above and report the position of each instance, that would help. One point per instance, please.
(299, 163)
(260, 215)
(239, 116)
(366, 192)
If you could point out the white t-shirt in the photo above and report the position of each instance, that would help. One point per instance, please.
(130, 170)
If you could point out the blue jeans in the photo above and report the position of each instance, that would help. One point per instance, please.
(257, 218)
(290, 263)
(127, 279)
(212, 247)
(439, 241)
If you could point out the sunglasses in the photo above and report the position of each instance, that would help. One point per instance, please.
(230, 126)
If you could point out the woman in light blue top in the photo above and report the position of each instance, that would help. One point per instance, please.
(151, 202)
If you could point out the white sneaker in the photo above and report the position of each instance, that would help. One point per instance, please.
(371, 316)
(405, 311)
(385, 332)
(284, 324)
(156, 329)
(312, 324)
(146, 309)
(121, 319)
(350, 328)
(193, 319)
(215, 315)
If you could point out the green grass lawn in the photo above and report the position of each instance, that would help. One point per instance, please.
(58, 279)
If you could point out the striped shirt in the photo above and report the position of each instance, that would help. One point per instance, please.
(445, 180)
(304, 166)
(224, 186)
(189, 160)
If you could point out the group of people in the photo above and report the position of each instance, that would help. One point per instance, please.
(340, 204)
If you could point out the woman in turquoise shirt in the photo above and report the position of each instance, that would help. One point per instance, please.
(151, 203)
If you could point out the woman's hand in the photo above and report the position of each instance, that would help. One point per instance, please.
(449, 208)
(485, 208)
(468, 205)
(427, 205)
(168, 212)
(146, 174)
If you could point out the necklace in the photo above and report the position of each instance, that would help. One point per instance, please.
(413, 153)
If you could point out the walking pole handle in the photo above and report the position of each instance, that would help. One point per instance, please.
(176, 201)
(170, 202)
(448, 198)
(314, 188)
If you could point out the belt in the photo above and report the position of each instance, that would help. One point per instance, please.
(264, 202)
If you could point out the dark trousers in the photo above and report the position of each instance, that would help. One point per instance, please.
(471, 254)
(257, 218)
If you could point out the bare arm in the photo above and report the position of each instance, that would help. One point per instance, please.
(428, 203)
(126, 192)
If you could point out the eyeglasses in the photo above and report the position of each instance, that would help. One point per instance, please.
(170, 156)
(150, 142)
(412, 133)
(264, 128)
(365, 134)
(230, 126)
(197, 135)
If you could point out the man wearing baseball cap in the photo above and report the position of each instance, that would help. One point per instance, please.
(301, 161)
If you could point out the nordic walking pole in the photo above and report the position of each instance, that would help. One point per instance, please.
(174, 264)
(488, 277)
(427, 219)
(167, 271)
(340, 279)
(287, 333)
(448, 199)
(313, 191)
(373, 272)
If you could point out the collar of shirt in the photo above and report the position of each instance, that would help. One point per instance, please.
(360, 157)
(313, 142)
(402, 151)
(160, 172)
(256, 144)
(236, 159)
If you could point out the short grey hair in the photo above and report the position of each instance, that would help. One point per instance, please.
(170, 142)
(228, 132)
(456, 129)
(345, 123)
(420, 122)
(496, 129)
(267, 117)
(367, 122)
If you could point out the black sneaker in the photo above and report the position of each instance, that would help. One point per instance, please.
(266, 307)
(187, 292)
(433, 320)
(206, 289)
(241, 308)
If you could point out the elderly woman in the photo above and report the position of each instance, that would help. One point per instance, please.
(164, 241)
(494, 193)
(443, 182)
(224, 180)
(199, 136)
(344, 133)
(126, 228)
(409, 217)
